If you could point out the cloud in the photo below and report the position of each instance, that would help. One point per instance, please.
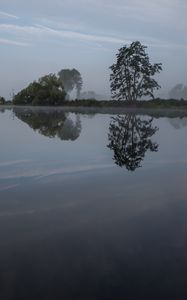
(32, 32)
(80, 36)
(14, 43)
(7, 15)
(159, 10)
(38, 30)
(120, 21)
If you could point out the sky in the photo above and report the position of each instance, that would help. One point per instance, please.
(40, 37)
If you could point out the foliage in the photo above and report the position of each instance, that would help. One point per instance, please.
(130, 138)
(2, 100)
(48, 90)
(71, 79)
(131, 76)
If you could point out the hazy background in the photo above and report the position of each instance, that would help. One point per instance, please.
(40, 37)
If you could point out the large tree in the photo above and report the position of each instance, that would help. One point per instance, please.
(71, 79)
(132, 74)
(48, 90)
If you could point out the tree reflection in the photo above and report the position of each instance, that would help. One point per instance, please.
(2, 110)
(51, 123)
(130, 138)
(178, 123)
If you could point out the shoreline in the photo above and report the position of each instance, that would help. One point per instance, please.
(153, 111)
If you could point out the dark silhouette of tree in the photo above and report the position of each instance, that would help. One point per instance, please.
(51, 123)
(2, 100)
(130, 138)
(71, 79)
(132, 73)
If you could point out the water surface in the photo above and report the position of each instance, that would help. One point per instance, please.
(92, 206)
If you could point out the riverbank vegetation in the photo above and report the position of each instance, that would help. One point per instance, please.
(155, 103)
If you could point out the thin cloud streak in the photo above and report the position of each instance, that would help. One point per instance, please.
(40, 30)
(14, 43)
(81, 36)
(7, 15)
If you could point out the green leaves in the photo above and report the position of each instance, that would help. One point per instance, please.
(49, 90)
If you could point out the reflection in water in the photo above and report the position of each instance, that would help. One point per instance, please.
(178, 123)
(2, 109)
(130, 137)
(51, 123)
(72, 226)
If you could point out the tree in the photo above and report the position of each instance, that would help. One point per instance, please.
(130, 138)
(71, 79)
(77, 81)
(48, 90)
(2, 100)
(132, 74)
(66, 77)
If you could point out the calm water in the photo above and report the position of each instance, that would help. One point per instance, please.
(92, 206)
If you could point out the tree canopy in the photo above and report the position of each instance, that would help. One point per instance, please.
(2, 100)
(71, 79)
(132, 74)
(48, 90)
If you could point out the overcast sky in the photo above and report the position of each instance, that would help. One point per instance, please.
(39, 37)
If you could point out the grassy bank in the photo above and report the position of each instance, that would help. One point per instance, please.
(156, 108)
(156, 103)
(151, 104)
